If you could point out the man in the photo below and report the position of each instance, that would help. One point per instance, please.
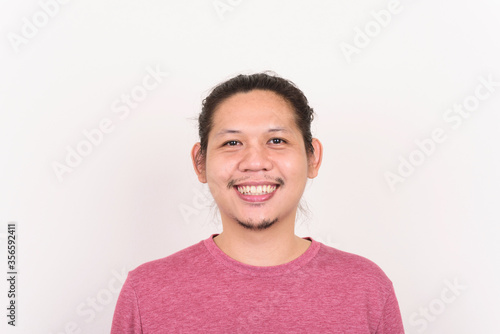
(256, 153)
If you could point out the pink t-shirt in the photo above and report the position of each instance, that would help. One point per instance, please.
(202, 290)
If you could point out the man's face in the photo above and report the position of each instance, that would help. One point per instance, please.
(256, 163)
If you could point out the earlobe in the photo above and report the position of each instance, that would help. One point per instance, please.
(315, 159)
(198, 163)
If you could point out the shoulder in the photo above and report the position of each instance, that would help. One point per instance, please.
(351, 267)
(174, 266)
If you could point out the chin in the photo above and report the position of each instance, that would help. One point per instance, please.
(262, 225)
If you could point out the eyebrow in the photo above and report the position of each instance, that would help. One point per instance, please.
(226, 131)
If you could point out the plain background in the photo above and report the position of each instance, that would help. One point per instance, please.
(135, 198)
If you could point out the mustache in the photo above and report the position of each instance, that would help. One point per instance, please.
(278, 180)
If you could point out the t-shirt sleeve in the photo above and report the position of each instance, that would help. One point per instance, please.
(390, 321)
(127, 318)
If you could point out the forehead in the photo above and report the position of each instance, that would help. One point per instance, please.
(257, 108)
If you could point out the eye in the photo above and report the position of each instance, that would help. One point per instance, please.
(277, 141)
(231, 143)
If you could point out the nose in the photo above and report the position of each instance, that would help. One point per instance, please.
(255, 159)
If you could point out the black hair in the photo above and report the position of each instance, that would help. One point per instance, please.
(304, 114)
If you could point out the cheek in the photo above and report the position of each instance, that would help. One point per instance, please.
(295, 168)
(219, 171)
(218, 177)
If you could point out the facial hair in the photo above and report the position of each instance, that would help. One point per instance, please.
(263, 225)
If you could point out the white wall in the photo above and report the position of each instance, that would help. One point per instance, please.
(135, 198)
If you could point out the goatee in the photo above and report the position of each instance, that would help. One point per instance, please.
(264, 224)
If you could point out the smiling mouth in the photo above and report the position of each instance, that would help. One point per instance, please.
(256, 190)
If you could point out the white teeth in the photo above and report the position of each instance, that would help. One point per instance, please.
(256, 190)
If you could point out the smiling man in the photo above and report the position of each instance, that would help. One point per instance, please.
(256, 153)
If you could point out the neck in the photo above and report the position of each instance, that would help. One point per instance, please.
(270, 247)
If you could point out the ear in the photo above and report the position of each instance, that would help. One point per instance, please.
(198, 163)
(315, 159)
